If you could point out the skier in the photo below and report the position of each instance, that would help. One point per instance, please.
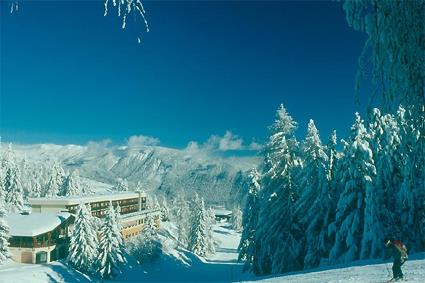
(397, 250)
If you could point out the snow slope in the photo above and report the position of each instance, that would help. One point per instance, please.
(179, 265)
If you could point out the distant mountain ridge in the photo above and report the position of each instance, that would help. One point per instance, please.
(157, 169)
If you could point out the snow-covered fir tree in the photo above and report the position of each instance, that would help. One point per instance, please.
(312, 206)
(70, 185)
(181, 217)
(246, 246)
(327, 236)
(83, 245)
(237, 219)
(2, 191)
(55, 181)
(356, 198)
(165, 213)
(111, 250)
(14, 197)
(277, 238)
(122, 185)
(149, 227)
(385, 144)
(4, 234)
(146, 246)
(25, 176)
(411, 194)
(210, 230)
(199, 238)
(35, 190)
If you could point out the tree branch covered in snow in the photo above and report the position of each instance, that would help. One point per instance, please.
(394, 50)
(126, 8)
(14, 6)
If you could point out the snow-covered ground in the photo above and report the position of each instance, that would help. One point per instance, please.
(179, 265)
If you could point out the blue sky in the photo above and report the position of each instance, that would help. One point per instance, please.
(70, 75)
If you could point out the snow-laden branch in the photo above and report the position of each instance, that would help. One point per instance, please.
(14, 6)
(126, 8)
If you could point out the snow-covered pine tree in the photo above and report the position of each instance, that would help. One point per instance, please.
(198, 237)
(23, 169)
(210, 230)
(2, 191)
(182, 220)
(55, 182)
(327, 237)
(14, 198)
(4, 234)
(149, 227)
(314, 201)
(35, 189)
(111, 253)
(165, 213)
(70, 185)
(357, 196)
(249, 221)
(237, 219)
(146, 246)
(122, 185)
(385, 143)
(277, 238)
(411, 194)
(83, 245)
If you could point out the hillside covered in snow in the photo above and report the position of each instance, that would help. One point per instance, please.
(152, 168)
(180, 265)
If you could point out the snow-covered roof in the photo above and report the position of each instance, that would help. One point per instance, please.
(35, 223)
(71, 200)
(222, 212)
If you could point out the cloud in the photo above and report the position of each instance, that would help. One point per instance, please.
(140, 141)
(255, 146)
(227, 142)
(99, 147)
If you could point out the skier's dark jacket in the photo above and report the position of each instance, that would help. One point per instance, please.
(396, 251)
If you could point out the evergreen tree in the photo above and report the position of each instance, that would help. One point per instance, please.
(146, 246)
(277, 237)
(14, 194)
(182, 219)
(249, 221)
(55, 182)
(411, 194)
(111, 253)
(83, 245)
(122, 185)
(35, 191)
(199, 240)
(356, 195)
(2, 191)
(237, 219)
(4, 234)
(149, 227)
(385, 144)
(210, 231)
(312, 206)
(70, 185)
(164, 209)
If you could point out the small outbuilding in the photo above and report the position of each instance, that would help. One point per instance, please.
(222, 215)
(39, 237)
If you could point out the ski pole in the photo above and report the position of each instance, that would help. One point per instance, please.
(388, 270)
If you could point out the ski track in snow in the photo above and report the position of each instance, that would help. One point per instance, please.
(179, 265)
